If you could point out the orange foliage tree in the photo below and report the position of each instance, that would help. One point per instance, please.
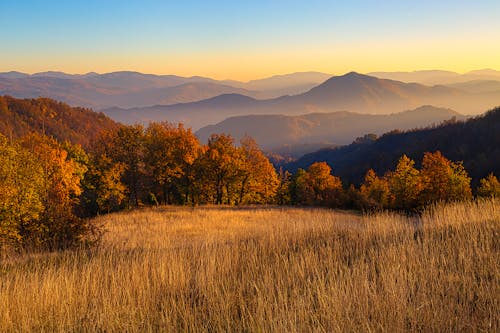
(317, 186)
(443, 180)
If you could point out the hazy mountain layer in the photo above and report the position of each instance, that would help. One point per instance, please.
(351, 92)
(272, 131)
(434, 77)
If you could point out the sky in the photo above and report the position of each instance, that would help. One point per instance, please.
(245, 40)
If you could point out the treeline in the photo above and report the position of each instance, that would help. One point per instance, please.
(48, 188)
(166, 164)
(405, 188)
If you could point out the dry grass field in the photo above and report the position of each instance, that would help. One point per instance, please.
(266, 269)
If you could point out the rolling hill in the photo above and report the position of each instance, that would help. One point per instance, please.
(476, 142)
(273, 131)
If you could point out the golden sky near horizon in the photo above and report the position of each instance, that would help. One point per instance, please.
(244, 41)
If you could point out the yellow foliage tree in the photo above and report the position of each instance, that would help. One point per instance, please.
(405, 184)
(21, 178)
(375, 191)
(489, 187)
(60, 187)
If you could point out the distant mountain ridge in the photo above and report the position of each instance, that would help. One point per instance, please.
(439, 77)
(132, 89)
(339, 128)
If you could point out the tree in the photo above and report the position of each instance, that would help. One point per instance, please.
(160, 162)
(126, 146)
(283, 193)
(326, 188)
(21, 178)
(316, 186)
(258, 181)
(301, 191)
(170, 153)
(405, 184)
(443, 180)
(218, 171)
(375, 191)
(489, 187)
(57, 225)
(104, 191)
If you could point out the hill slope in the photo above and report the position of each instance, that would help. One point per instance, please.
(77, 125)
(271, 131)
(476, 142)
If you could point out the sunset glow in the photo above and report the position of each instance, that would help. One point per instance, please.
(230, 40)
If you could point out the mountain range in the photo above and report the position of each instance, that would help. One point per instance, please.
(132, 89)
(350, 92)
(128, 89)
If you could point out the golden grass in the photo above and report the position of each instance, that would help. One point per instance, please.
(266, 269)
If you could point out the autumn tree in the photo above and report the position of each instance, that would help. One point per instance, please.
(300, 190)
(489, 187)
(104, 191)
(317, 186)
(57, 225)
(258, 181)
(218, 170)
(21, 202)
(375, 191)
(170, 153)
(125, 145)
(283, 193)
(443, 180)
(326, 188)
(405, 184)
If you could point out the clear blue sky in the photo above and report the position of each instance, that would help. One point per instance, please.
(244, 40)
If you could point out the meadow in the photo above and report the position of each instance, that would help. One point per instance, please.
(263, 269)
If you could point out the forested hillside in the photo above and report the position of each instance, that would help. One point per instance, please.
(19, 117)
(476, 142)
